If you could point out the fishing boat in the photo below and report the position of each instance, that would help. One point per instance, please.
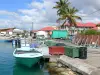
(27, 56)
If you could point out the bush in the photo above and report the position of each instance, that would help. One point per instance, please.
(98, 33)
(91, 32)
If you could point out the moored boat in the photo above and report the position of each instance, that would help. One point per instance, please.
(27, 56)
(8, 40)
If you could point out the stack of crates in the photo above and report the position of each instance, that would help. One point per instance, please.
(76, 52)
(71, 51)
(59, 50)
(83, 52)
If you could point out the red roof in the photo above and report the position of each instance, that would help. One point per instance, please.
(10, 30)
(89, 24)
(95, 28)
(34, 30)
(79, 24)
(47, 29)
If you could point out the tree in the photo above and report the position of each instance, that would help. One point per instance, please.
(61, 5)
(69, 15)
(66, 12)
(98, 25)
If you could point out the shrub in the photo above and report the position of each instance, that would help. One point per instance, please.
(91, 32)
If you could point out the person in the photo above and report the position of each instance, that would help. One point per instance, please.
(30, 39)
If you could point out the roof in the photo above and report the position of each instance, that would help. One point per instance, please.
(47, 29)
(7, 29)
(79, 24)
(89, 24)
(95, 28)
(34, 30)
(18, 31)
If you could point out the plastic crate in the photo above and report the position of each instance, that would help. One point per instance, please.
(71, 51)
(50, 43)
(83, 52)
(56, 50)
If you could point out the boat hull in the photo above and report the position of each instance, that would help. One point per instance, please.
(8, 40)
(29, 62)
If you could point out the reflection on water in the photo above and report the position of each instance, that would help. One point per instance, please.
(23, 70)
(8, 66)
(6, 58)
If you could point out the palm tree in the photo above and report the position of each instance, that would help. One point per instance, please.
(66, 12)
(61, 5)
(69, 15)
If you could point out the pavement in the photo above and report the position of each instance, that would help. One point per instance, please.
(93, 55)
(79, 66)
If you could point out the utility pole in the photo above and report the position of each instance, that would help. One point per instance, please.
(32, 26)
(31, 34)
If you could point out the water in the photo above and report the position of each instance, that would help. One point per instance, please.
(9, 67)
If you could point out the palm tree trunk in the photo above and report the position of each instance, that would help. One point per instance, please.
(63, 23)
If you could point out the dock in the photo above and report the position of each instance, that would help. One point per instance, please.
(89, 66)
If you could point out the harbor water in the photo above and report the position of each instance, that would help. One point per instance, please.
(8, 65)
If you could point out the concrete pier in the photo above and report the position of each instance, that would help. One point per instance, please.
(79, 66)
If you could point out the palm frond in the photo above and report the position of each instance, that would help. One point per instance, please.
(77, 17)
(66, 12)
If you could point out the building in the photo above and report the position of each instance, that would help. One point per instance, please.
(78, 28)
(6, 31)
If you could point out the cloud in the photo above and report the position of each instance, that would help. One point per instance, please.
(88, 9)
(42, 14)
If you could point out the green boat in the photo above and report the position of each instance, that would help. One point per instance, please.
(22, 70)
(27, 56)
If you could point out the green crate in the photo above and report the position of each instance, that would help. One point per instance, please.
(72, 51)
(50, 43)
(53, 44)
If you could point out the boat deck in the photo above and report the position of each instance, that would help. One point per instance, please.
(22, 51)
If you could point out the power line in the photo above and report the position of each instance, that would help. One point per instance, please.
(91, 13)
(94, 12)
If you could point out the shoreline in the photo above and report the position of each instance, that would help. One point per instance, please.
(56, 68)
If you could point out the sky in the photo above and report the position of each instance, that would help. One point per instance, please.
(21, 13)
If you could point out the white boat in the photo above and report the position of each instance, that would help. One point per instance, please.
(43, 49)
(27, 56)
